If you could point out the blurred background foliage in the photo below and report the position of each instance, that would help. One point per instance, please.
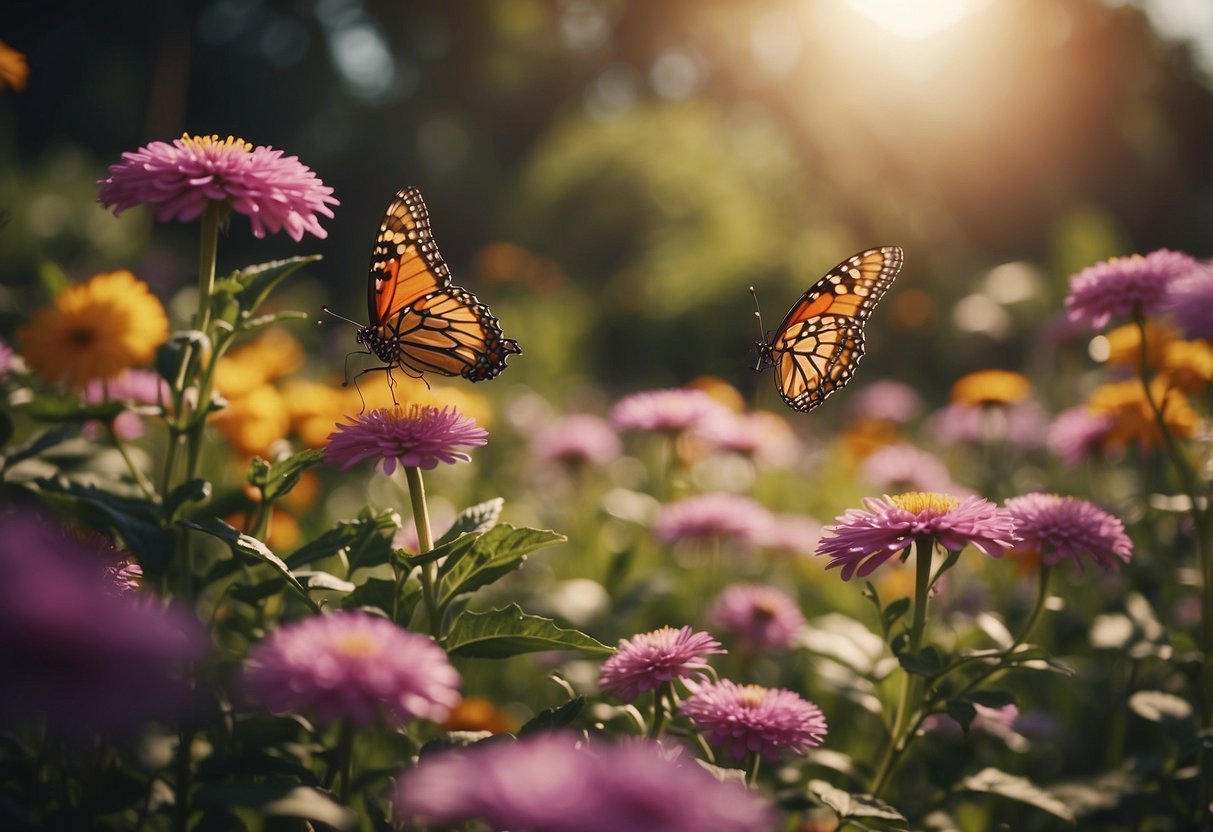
(611, 176)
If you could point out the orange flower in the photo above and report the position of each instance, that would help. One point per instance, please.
(1132, 417)
(14, 69)
(990, 387)
(1124, 344)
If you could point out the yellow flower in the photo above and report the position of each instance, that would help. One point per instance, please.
(14, 69)
(1124, 344)
(254, 421)
(95, 330)
(1132, 418)
(314, 409)
(990, 387)
(273, 355)
(1188, 364)
(866, 436)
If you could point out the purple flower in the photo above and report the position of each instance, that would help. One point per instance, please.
(179, 180)
(791, 533)
(1078, 433)
(135, 387)
(863, 540)
(712, 516)
(76, 647)
(578, 439)
(1124, 286)
(6, 358)
(354, 666)
(761, 618)
(550, 783)
(1021, 424)
(419, 437)
(671, 410)
(904, 467)
(647, 661)
(1189, 301)
(749, 719)
(762, 436)
(1062, 528)
(890, 401)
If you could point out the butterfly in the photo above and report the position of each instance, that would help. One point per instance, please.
(420, 322)
(815, 350)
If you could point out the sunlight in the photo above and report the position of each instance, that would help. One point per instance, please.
(914, 20)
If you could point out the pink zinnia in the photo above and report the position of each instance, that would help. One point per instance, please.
(647, 661)
(1189, 302)
(671, 410)
(135, 387)
(1124, 286)
(749, 719)
(351, 665)
(794, 534)
(554, 782)
(419, 437)
(712, 516)
(6, 358)
(578, 439)
(1021, 424)
(765, 438)
(179, 180)
(761, 618)
(887, 400)
(863, 540)
(1067, 528)
(904, 467)
(1077, 434)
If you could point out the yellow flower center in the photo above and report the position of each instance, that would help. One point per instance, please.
(920, 501)
(356, 645)
(751, 696)
(204, 143)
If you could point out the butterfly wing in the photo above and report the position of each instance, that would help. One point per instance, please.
(816, 347)
(420, 321)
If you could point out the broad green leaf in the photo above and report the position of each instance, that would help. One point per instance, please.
(963, 712)
(559, 717)
(196, 490)
(368, 540)
(284, 798)
(1160, 706)
(258, 281)
(48, 409)
(324, 580)
(847, 805)
(927, 662)
(497, 552)
(509, 632)
(890, 615)
(278, 478)
(477, 518)
(378, 593)
(245, 544)
(33, 447)
(458, 546)
(265, 321)
(994, 781)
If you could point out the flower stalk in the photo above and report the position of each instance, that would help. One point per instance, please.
(425, 542)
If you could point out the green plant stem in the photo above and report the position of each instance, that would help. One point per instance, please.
(425, 542)
(911, 684)
(752, 766)
(343, 764)
(181, 804)
(662, 696)
(145, 485)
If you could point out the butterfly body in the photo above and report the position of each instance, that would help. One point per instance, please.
(815, 348)
(420, 321)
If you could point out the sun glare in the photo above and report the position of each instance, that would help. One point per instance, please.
(913, 19)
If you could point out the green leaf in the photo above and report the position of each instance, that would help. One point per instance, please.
(561, 716)
(928, 662)
(378, 593)
(1160, 706)
(509, 632)
(368, 540)
(847, 805)
(244, 544)
(277, 479)
(49, 409)
(443, 551)
(265, 321)
(196, 490)
(281, 799)
(324, 580)
(38, 444)
(258, 281)
(994, 781)
(993, 698)
(963, 712)
(890, 615)
(497, 552)
(477, 518)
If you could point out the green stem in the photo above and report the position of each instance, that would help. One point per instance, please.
(145, 485)
(662, 694)
(343, 765)
(181, 804)
(752, 766)
(425, 542)
(911, 684)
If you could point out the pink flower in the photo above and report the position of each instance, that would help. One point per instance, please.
(419, 437)
(551, 782)
(890, 401)
(179, 180)
(1189, 301)
(764, 437)
(761, 618)
(863, 540)
(709, 516)
(1077, 434)
(791, 533)
(1021, 424)
(6, 358)
(579, 439)
(647, 661)
(134, 387)
(749, 719)
(903, 467)
(1066, 528)
(1124, 286)
(671, 410)
(354, 666)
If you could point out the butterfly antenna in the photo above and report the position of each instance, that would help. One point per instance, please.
(762, 333)
(328, 311)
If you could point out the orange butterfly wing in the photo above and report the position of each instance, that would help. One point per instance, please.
(420, 321)
(816, 347)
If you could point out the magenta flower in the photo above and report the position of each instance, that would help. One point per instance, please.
(578, 439)
(712, 516)
(890, 401)
(74, 645)
(863, 540)
(419, 437)
(1077, 434)
(765, 438)
(6, 358)
(1020, 425)
(749, 719)
(1189, 302)
(761, 618)
(1124, 286)
(134, 387)
(649, 660)
(179, 180)
(794, 534)
(904, 467)
(670, 410)
(351, 665)
(551, 782)
(1062, 528)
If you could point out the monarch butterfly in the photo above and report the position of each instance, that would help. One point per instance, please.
(815, 350)
(420, 321)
